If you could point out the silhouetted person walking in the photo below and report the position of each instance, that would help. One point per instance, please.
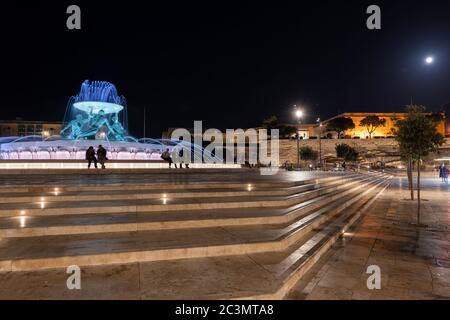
(90, 157)
(445, 174)
(441, 172)
(101, 155)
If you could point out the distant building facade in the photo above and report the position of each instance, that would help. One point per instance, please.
(10, 128)
(447, 119)
(313, 131)
(360, 132)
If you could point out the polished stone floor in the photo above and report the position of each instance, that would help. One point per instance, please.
(414, 261)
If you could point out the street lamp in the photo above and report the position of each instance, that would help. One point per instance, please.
(320, 142)
(299, 116)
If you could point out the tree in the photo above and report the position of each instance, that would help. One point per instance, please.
(372, 123)
(307, 153)
(409, 162)
(270, 123)
(417, 137)
(285, 131)
(346, 152)
(340, 125)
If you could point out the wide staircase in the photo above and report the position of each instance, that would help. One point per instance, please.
(205, 240)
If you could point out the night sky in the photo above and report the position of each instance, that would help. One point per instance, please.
(228, 63)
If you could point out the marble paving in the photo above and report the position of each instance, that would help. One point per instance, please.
(414, 261)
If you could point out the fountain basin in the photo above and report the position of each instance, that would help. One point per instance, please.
(76, 150)
(96, 106)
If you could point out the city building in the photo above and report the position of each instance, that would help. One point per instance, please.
(19, 127)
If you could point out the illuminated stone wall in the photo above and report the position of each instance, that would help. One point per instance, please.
(379, 148)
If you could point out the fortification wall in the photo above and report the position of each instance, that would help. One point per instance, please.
(378, 149)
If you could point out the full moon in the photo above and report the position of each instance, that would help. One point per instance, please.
(429, 60)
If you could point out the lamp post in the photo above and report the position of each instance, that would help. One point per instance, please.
(320, 143)
(298, 115)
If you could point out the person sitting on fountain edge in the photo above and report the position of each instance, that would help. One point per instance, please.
(101, 155)
(90, 157)
(166, 157)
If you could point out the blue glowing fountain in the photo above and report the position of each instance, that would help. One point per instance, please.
(96, 112)
(96, 115)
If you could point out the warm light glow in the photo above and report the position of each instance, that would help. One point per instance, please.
(22, 212)
(42, 205)
(22, 222)
(249, 187)
(298, 113)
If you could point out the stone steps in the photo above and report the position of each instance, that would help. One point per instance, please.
(247, 273)
(162, 204)
(156, 192)
(176, 184)
(317, 245)
(97, 249)
(130, 221)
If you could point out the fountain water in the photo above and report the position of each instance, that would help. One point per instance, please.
(96, 112)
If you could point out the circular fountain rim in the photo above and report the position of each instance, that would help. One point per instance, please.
(96, 106)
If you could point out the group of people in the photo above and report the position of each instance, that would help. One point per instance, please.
(99, 156)
(443, 173)
(96, 156)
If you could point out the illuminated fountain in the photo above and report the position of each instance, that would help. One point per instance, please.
(96, 115)
(97, 112)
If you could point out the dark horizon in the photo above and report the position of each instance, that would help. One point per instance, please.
(230, 65)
